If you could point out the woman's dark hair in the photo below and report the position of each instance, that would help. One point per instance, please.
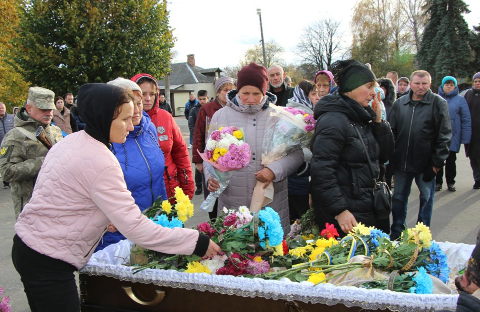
(58, 98)
(307, 86)
(125, 97)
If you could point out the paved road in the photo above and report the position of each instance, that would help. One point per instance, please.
(455, 219)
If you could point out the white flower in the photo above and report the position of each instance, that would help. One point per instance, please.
(211, 145)
(224, 143)
(215, 263)
(225, 210)
(244, 210)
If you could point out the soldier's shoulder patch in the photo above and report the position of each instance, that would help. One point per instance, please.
(5, 151)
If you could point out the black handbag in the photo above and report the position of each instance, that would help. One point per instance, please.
(382, 196)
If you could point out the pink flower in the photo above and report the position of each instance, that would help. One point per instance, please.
(216, 135)
(206, 228)
(255, 268)
(309, 127)
(230, 219)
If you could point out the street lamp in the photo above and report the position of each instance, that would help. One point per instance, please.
(259, 12)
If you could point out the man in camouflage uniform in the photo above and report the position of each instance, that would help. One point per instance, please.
(21, 154)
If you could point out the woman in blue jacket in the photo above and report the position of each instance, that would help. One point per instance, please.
(461, 129)
(141, 159)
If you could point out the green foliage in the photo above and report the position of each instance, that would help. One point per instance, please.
(64, 44)
(474, 41)
(13, 88)
(444, 50)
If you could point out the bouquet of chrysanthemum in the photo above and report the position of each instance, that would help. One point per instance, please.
(167, 215)
(225, 152)
(162, 212)
(4, 306)
(286, 128)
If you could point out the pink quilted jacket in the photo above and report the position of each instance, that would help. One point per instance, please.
(79, 190)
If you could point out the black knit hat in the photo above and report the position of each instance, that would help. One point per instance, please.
(351, 74)
(253, 75)
(96, 105)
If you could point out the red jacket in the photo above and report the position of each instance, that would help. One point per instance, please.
(178, 169)
(206, 110)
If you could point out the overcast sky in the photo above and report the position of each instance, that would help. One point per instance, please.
(219, 32)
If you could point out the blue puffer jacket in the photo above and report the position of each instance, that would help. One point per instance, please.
(142, 163)
(459, 117)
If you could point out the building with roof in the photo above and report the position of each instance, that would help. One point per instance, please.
(185, 78)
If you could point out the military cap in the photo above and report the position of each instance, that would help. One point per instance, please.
(43, 98)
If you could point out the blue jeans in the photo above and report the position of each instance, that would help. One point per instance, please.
(191, 137)
(403, 186)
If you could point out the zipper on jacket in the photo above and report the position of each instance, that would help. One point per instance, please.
(185, 175)
(148, 166)
(95, 245)
(409, 133)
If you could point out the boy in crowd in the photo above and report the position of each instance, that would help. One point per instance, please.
(202, 97)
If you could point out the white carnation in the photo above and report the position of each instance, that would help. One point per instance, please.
(224, 143)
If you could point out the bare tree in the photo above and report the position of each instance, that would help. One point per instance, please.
(414, 10)
(273, 54)
(320, 42)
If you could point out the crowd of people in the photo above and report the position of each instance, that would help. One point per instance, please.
(82, 171)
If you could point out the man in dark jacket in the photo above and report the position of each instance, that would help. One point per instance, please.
(421, 126)
(163, 104)
(188, 106)
(202, 96)
(276, 79)
(473, 150)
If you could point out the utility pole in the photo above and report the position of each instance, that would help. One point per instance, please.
(259, 12)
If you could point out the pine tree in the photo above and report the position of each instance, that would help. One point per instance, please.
(474, 40)
(64, 44)
(444, 49)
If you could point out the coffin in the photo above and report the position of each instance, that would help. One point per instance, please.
(108, 285)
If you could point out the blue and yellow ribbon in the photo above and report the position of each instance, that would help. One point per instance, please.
(353, 247)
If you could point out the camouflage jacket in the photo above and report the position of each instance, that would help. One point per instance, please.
(21, 157)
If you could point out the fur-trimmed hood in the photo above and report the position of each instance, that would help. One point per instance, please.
(391, 94)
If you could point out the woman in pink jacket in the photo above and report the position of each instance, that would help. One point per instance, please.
(79, 191)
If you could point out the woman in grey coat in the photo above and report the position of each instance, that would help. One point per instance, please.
(248, 108)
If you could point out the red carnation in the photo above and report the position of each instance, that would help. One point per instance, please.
(206, 228)
(230, 219)
(329, 231)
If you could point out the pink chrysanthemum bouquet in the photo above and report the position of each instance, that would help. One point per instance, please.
(227, 152)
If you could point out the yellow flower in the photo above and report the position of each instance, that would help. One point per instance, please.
(166, 206)
(305, 116)
(196, 267)
(308, 237)
(258, 259)
(316, 253)
(216, 151)
(316, 278)
(220, 128)
(361, 229)
(300, 251)
(179, 194)
(223, 151)
(278, 250)
(215, 157)
(238, 134)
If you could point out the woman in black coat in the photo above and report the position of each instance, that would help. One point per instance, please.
(342, 183)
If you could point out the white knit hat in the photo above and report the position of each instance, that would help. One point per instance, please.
(125, 83)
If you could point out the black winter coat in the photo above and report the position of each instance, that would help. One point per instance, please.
(422, 132)
(192, 117)
(340, 175)
(466, 303)
(473, 100)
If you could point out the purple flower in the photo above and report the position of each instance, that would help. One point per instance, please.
(216, 135)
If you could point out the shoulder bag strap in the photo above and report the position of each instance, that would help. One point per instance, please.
(366, 152)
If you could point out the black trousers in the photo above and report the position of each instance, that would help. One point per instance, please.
(198, 179)
(49, 283)
(297, 206)
(450, 170)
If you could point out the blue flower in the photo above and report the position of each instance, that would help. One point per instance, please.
(423, 283)
(436, 263)
(175, 223)
(272, 227)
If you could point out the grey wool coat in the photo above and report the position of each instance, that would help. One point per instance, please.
(253, 121)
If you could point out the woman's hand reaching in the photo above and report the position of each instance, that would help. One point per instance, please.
(347, 221)
(213, 249)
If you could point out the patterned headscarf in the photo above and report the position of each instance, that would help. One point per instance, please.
(300, 97)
